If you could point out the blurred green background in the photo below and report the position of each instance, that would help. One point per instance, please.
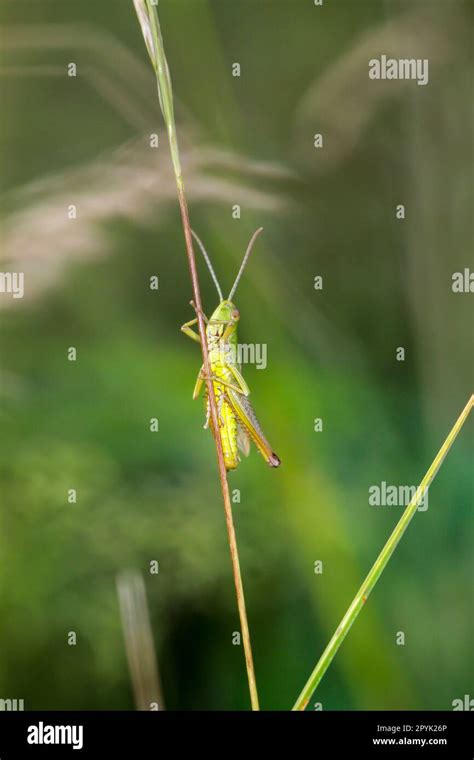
(144, 496)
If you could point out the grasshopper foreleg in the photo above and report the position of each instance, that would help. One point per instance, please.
(186, 328)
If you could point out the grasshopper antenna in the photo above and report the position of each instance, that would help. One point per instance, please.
(244, 261)
(209, 265)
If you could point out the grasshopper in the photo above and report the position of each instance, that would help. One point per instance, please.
(238, 424)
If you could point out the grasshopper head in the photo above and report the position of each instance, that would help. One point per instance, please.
(226, 312)
(223, 322)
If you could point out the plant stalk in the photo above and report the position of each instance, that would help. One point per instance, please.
(148, 18)
(379, 566)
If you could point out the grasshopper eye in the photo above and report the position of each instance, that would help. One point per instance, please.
(235, 314)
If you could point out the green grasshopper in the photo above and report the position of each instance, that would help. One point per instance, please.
(238, 424)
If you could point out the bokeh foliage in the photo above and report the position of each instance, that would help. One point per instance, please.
(331, 354)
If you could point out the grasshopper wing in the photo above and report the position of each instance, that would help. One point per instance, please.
(246, 417)
(243, 440)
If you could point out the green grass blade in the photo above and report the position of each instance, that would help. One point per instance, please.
(151, 30)
(379, 566)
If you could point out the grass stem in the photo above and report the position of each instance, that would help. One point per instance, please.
(148, 18)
